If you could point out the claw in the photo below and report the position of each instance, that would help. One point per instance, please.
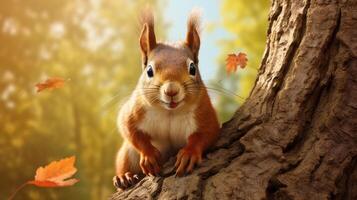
(125, 181)
(116, 181)
(186, 160)
(129, 178)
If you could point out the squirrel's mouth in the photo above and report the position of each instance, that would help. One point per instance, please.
(171, 104)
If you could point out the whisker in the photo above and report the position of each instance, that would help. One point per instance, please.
(225, 91)
(111, 99)
(222, 91)
(221, 87)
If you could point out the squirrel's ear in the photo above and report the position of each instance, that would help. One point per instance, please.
(147, 37)
(192, 36)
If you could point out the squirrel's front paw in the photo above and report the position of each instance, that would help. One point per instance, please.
(150, 162)
(126, 180)
(186, 159)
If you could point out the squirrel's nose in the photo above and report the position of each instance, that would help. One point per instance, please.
(171, 93)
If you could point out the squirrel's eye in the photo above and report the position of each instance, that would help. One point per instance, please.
(150, 71)
(192, 69)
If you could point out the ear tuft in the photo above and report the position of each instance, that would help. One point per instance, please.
(147, 37)
(193, 32)
(147, 17)
(194, 20)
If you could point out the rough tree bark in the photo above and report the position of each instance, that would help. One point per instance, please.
(296, 135)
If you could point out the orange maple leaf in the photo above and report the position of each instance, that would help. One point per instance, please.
(233, 60)
(50, 83)
(54, 174)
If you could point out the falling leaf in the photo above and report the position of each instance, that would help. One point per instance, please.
(53, 175)
(233, 60)
(56, 173)
(50, 83)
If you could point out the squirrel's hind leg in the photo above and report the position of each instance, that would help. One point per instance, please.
(128, 171)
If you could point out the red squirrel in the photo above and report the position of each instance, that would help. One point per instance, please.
(169, 111)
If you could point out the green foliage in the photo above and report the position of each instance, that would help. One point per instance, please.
(93, 44)
(247, 22)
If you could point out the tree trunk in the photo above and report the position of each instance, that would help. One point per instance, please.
(295, 137)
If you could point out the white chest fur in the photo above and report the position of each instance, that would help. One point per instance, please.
(168, 130)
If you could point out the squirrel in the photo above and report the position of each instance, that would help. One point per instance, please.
(169, 111)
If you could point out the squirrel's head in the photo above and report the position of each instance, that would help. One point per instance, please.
(170, 77)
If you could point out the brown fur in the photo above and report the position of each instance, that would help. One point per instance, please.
(170, 65)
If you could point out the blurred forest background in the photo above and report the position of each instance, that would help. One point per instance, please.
(94, 45)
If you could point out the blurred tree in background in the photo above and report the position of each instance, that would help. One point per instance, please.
(92, 44)
(247, 23)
